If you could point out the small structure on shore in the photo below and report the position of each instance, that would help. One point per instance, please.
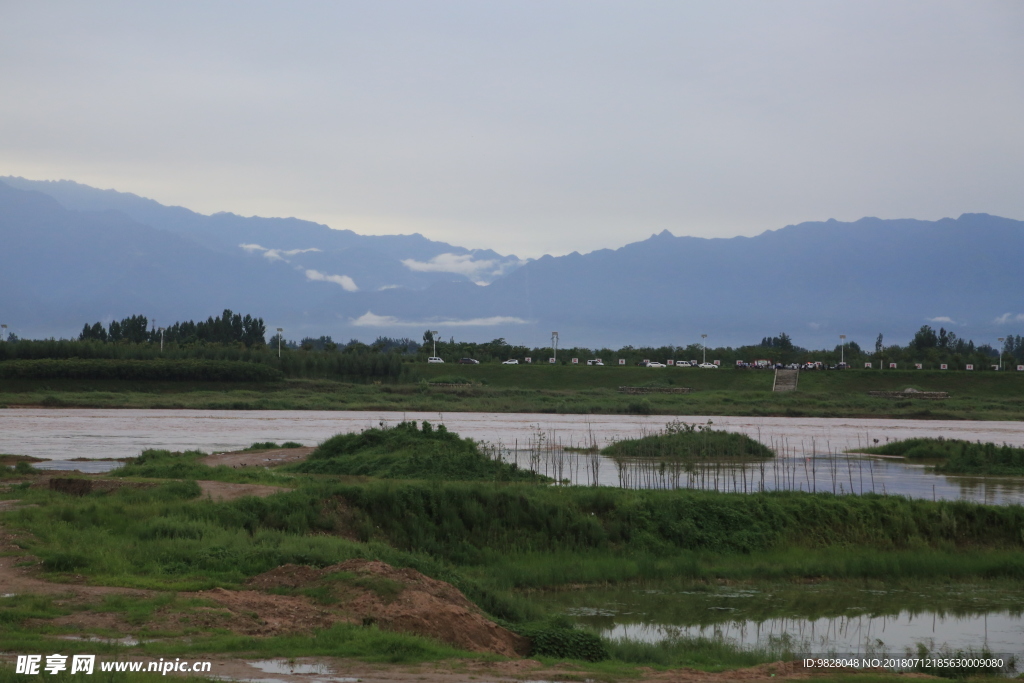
(910, 392)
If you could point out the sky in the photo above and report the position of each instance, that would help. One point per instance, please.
(528, 127)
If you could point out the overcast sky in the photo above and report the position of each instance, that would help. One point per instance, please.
(527, 127)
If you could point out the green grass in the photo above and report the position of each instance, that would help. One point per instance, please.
(270, 445)
(956, 456)
(679, 441)
(162, 464)
(564, 389)
(408, 451)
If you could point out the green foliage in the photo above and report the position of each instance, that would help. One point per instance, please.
(163, 464)
(449, 379)
(959, 456)
(146, 370)
(564, 642)
(407, 452)
(680, 441)
(270, 445)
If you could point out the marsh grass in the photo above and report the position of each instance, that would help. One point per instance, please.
(957, 456)
(163, 464)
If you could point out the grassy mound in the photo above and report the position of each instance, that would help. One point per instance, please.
(960, 457)
(406, 451)
(698, 443)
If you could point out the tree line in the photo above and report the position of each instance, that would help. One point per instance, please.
(229, 328)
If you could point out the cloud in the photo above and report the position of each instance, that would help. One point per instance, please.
(1009, 318)
(462, 264)
(276, 254)
(814, 326)
(942, 319)
(347, 283)
(387, 287)
(370, 319)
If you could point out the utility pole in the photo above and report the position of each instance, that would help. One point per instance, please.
(279, 331)
(433, 339)
(842, 354)
(554, 345)
(704, 343)
(1001, 340)
(161, 340)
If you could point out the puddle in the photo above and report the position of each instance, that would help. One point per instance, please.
(127, 640)
(283, 666)
(810, 619)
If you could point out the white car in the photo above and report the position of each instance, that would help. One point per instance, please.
(595, 361)
(654, 364)
(434, 359)
(709, 366)
(511, 361)
(682, 363)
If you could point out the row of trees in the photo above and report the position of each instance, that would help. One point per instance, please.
(136, 337)
(229, 328)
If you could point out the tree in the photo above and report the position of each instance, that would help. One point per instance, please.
(925, 338)
(878, 344)
(428, 337)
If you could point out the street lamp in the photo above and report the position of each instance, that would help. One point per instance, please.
(433, 340)
(705, 345)
(161, 340)
(554, 345)
(1001, 340)
(279, 331)
(842, 354)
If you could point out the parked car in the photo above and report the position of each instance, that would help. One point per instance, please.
(469, 361)
(656, 364)
(511, 361)
(594, 361)
(709, 366)
(682, 363)
(434, 359)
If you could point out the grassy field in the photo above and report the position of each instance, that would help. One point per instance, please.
(496, 537)
(565, 389)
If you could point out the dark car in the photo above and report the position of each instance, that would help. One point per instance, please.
(469, 361)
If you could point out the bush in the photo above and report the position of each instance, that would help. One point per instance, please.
(565, 643)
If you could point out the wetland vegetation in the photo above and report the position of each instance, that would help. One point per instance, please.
(501, 535)
(956, 456)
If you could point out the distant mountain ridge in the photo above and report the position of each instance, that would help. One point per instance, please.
(77, 254)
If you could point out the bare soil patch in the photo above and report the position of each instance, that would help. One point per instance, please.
(220, 491)
(401, 600)
(259, 458)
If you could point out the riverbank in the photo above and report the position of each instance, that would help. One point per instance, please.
(565, 390)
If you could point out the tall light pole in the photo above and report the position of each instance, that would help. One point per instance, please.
(433, 340)
(704, 343)
(554, 345)
(842, 353)
(279, 331)
(161, 340)
(1001, 340)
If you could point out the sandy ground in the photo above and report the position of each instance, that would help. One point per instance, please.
(268, 458)
(220, 491)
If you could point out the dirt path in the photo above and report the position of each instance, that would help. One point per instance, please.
(269, 458)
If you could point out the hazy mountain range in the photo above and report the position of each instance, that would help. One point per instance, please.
(72, 254)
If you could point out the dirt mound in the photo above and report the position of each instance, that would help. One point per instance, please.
(259, 614)
(401, 600)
